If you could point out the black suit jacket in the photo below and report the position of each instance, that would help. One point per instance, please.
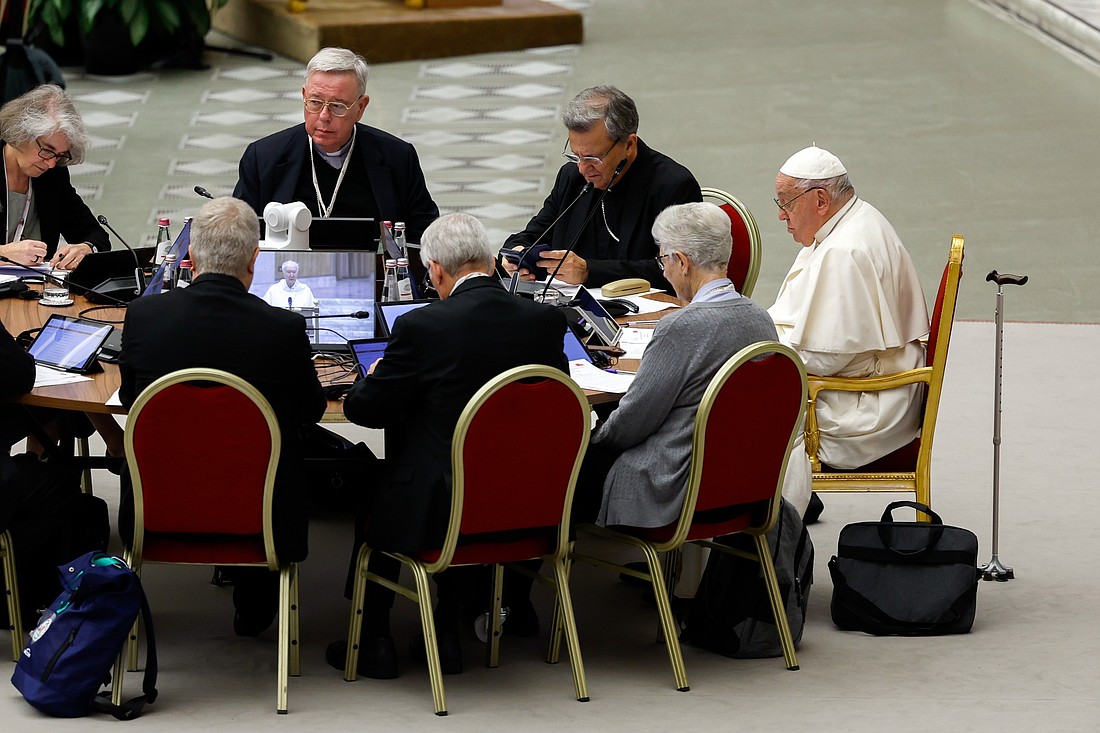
(653, 183)
(270, 168)
(61, 211)
(437, 358)
(16, 378)
(216, 323)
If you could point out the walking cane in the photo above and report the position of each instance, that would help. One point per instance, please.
(995, 569)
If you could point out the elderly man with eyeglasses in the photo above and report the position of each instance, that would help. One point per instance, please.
(612, 232)
(851, 306)
(331, 163)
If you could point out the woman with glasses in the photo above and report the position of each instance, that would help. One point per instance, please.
(41, 134)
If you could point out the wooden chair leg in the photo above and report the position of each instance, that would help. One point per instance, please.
(776, 598)
(492, 648)
(565, 604)
(355, 623)
(283, 665)
(431, 644)
(11, 592)
(668, 623)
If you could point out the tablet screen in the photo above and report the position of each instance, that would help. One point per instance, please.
(68, 343)
(573, 347)
(366, 352)
(606, 326)
(391, 311)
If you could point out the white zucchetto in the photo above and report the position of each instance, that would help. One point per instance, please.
(813, 163)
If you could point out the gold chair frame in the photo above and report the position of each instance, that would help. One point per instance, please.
(755, 246)
(762, 555)
(917, 481)
(288, 631)
(11, 592)
(421, 570)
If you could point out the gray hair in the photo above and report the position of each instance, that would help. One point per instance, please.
(289, 263)
(340, 60)
(224, 235)
(455, 241)
(700, 231)
(42, 111)
(618, 112)
(839, 188)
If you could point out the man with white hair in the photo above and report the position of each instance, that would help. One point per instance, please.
(851, 306)
(289, 292)
(216, 323)
(636, 470)
(438, 356)
(331, 163)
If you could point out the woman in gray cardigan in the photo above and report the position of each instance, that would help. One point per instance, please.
(646, 441)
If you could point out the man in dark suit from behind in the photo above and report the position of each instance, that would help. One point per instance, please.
(437, 358)
(216, 323)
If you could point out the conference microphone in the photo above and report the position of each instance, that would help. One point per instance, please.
(290, 301)
(514, 283)
(139, 274)
(356, 314)
(70, 284)
(592, 213)
(203, 192)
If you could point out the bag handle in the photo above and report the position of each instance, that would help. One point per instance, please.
(887, 521)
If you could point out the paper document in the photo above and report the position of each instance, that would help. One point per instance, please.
(46, 377)
(633, 342)
(588, 376)
(114, 400)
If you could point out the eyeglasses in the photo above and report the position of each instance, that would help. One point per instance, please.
(661, 260)
(336, 109)
(787, 206)
(590, 159)
(46, 154)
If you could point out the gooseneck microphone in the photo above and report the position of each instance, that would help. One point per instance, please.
(51, 278)
(139, 274)
(203, 192)
(356, 314)
(514, 282)
(572, 244)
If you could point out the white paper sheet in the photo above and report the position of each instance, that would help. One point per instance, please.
(46, 377)
(634, 341)
(588, 376)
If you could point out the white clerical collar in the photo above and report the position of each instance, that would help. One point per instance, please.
(467, 276)
(336, 159)
(830, 225)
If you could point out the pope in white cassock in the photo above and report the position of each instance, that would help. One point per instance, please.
(289, 292)
(851, 306)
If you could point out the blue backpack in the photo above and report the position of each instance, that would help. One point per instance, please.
(72, 649)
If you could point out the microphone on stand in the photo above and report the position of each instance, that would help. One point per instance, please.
(290, 301)
(70, 284)
(203, 192)
(139, 274)
(552, 275)
(514, 283)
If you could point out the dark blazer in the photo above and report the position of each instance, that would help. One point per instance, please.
(61, 211)
(653, 183)
(270, 168)
(16, 378)
(216, 323)
(437, 358)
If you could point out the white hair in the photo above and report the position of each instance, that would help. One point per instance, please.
(699, 231)
(289, 263)
(340, 60)
(455, 241)
(224, 234)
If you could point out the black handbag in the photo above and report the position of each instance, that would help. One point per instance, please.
(906, 578)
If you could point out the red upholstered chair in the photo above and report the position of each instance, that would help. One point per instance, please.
(744, 430)
(909, 468)
(11, 592)
(498, 515)
(744, 265)
(215, 507)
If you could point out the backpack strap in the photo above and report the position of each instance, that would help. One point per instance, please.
(133, 708)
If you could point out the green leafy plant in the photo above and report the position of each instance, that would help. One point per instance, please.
(163, 17)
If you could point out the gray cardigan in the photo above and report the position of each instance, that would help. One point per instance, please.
(653, 423)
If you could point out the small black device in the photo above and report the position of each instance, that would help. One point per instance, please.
(69, 344)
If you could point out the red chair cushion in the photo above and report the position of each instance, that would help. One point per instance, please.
(738, 268)
(205, 549)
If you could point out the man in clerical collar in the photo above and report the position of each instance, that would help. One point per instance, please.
(332, 163)
(610, 219)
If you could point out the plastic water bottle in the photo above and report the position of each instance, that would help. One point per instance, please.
(185, 274)
(399, 238)
(389, 285)
(170, 272)
(404, 284)
(164, 240)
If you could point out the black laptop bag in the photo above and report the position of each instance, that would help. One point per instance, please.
(905, 578)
